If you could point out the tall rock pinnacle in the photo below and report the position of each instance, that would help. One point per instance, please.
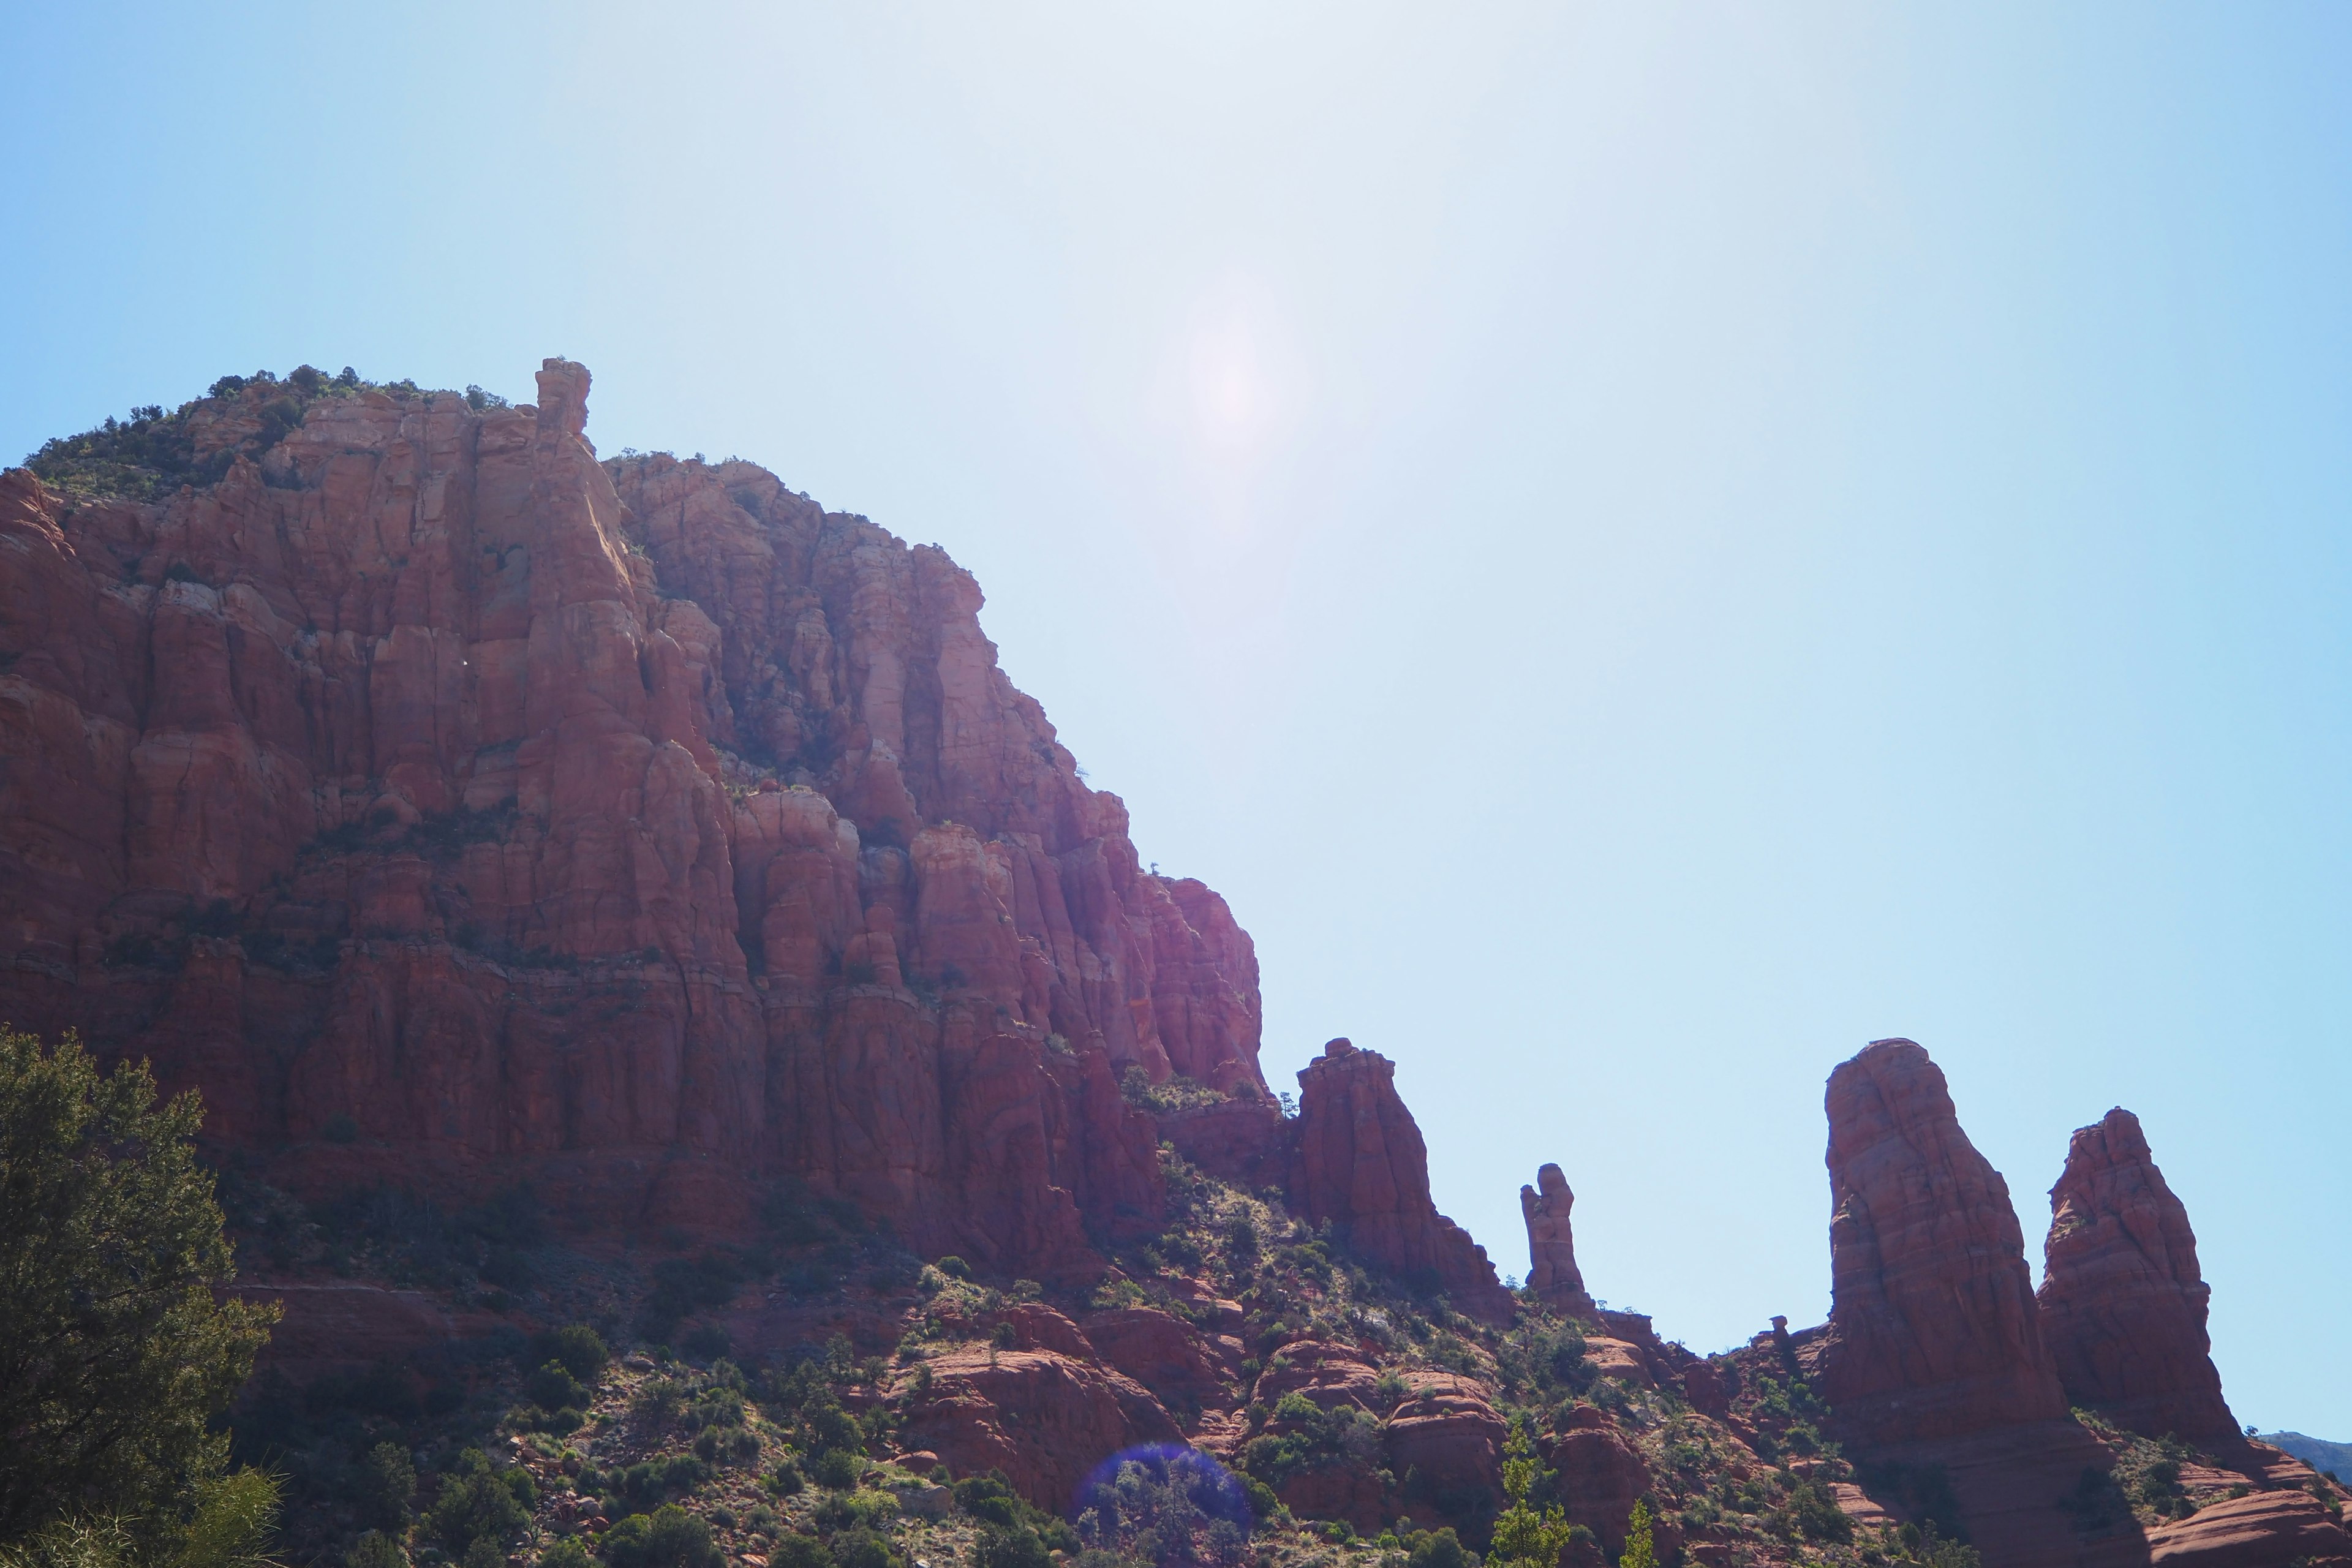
(1552, 1273)
(2123, 1303)
(1361, 1163)
(1934, 1332)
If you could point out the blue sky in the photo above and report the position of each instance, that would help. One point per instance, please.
(1641, 549)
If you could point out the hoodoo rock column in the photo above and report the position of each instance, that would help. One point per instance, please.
(1933, 1328)
(1361, 1163)
(2123, 1303)
(1552, 1273)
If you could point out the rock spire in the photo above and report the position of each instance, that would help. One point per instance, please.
(2123, 1302)
(1360, 1162)
(1933, 1329)
(1552, 1273)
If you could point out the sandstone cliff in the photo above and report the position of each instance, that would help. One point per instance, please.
(439, 800)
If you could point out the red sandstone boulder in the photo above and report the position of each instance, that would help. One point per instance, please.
(1331, 1375)
(2123, 1303)
(1444, 1441)
(1360, 1164)
(1933, 1328)
(1350, 1491)
(1601, 1478)
(1044, 1418)
(1552, 1273)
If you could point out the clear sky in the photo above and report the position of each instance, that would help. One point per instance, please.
(1641, 549)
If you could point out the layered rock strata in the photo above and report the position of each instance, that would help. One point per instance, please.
(2123, 1301)
(1359, 1164)
(1933, 1328)
(440, 800)
(1552, 1273)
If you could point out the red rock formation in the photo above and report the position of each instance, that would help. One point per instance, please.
(1042, 1417)
(1600, 1475)
(2123, 1303)
(1244, 1142)
(1329, 1375)
(1444, 1441)
(1934, 1329)
(1360, 1164)
(1552, 1273)
(637, 828)
(1165, 1355)
(2265, 1530)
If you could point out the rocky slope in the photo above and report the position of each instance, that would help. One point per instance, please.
(624, 891)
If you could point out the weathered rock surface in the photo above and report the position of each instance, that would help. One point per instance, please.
(1165, 1355)
(1244, 1142)
(1552, 1273)
(1360, 1162)
(436, 799)
(1934, 1331)
(1445, 1442)
(2264, 1530)
(1600, 1474)
(2123, 1302)
(1042, 1417)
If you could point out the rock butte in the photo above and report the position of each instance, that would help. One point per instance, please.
(453, 809)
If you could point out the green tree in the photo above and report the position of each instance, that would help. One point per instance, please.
(670, 1537)
(1639, 1550)
(117, 1356)
(578, 1348)
(476, 1503)
(375, 1549)
(1523, 1535)
(387, 1485)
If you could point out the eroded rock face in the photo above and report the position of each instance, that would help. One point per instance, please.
(2267, 1529)
(1044, 1417)
(2123, 1302)
(1552, 1273)
(1359, 1164)
(439, 800)
(1600, 1475)
(1444, 1441)
(1934, 1331)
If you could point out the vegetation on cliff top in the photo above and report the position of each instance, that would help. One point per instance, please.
(152, 452)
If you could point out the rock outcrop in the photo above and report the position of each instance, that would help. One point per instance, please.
(1044, 1417)
(2123, 1302)
(1933, 1329)
(1601, 1474)
(1552, 1273)
(1359, 1164)
(439, 800)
